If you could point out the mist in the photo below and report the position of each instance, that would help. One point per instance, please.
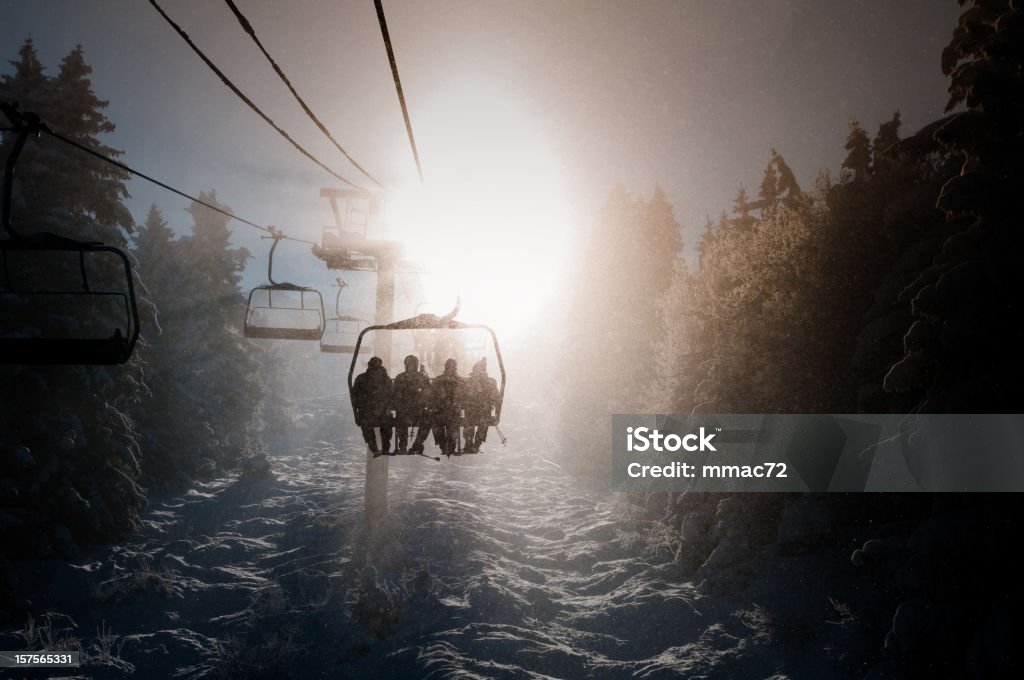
(498, 229)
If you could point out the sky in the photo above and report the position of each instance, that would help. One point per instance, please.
(526, 114)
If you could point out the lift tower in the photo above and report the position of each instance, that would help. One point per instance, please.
(345, 246)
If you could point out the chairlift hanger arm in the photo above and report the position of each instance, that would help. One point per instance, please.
(278, 236)
(337, 298)
(270, 260)
(26, 124)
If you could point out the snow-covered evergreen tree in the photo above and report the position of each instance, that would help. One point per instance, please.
(203, 376)
(858, 152)
(614, 323)
(223, 363)
(69, 451)
(964, 352)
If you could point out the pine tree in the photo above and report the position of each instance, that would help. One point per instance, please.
(204, 377)
(68, 425)
(886, 140)
(967, 303)
(768, 192)
(160, 419)
(661, 238)
(50, 173)
(788, 189)
(614, 323)
(152, 242)
(84, 122)
(223, 363)
(210, 244)
(28, 84)
(707, 237)
(778, 188)
(858, 152)
(741, 209)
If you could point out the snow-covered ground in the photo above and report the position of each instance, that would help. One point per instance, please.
(496, 565)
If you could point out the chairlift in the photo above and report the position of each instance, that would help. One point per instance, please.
(283, 311)
(432, 322)
(341, 332)
(44, 320)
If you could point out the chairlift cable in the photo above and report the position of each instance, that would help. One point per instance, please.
(398, 82)
(247, 27)
(168, 187)
(231, 86)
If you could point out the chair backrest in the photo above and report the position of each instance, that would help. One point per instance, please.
(340, 334)
(431, 322)
(284, 311)
(46, 320)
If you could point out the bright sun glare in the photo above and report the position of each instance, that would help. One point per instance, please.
(492, 223)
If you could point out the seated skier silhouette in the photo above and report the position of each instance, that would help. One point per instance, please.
(480, 402)
(371, 403)
(410, 398)
(446, 407)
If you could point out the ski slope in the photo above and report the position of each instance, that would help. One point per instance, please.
(497, 565)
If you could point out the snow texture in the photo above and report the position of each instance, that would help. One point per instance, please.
(494, 565)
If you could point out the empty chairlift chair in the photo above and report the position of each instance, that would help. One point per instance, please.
(62, 301)
(283, 311)
(341, 334)
(342, 331)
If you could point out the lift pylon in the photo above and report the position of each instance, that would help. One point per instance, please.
(346, 246)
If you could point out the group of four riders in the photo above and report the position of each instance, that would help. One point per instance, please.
(445, 405)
